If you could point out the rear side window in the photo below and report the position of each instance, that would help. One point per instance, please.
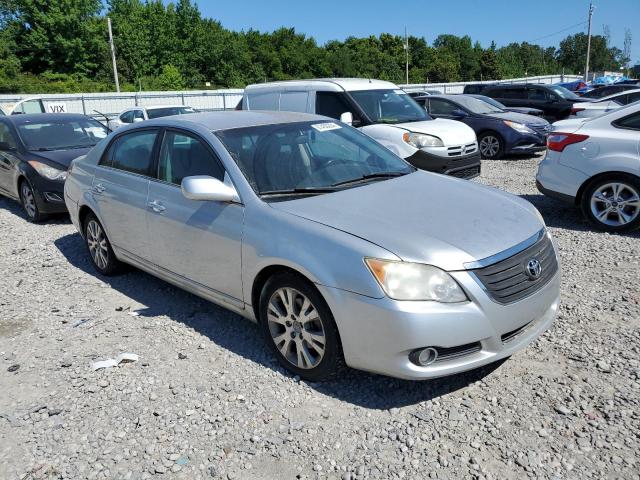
(6, 136)
(263, 101)
(514, 93)
(138, 114)
(132, 152)
(629, 98)
(438, 106)
(631, 122)
(537, 94)
(127, 117)
(182, 156)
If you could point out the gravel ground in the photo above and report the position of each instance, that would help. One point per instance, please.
(205, 400)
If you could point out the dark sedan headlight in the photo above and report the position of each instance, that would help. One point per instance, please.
(47, 171)
(518, 127)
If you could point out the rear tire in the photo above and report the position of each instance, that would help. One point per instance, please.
(612, 203)
(29, 203)
(299, 328)
(99, 247)
(491, 145)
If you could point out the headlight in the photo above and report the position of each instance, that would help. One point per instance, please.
(420, 140)
(415, 281)
(48, 171)
(518, 127)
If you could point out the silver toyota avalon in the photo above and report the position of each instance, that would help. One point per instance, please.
(340, 250)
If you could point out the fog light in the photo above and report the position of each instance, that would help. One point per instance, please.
(424, 357)
(53, 197)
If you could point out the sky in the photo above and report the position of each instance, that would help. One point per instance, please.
(503, 21)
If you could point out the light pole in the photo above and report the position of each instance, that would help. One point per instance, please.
(586, 68)
(113, 56)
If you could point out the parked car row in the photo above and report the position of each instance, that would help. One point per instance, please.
(317, 225)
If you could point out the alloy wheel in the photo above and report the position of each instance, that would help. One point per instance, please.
(615, 204)
(28, 200)
(97, 242)
(489, 146)
(296, 328)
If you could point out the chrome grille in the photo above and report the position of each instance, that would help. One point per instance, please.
(462, 150)
(507, 281)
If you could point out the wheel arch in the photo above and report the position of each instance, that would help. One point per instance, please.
(591, 180)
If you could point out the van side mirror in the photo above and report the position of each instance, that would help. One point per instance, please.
(347, 117)
(205, 188)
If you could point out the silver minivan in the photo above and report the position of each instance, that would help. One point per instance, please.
(339, 249)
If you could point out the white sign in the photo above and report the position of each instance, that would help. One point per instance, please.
(56, 107)
(323, 127)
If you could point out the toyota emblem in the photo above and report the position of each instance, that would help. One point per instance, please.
(533, 269)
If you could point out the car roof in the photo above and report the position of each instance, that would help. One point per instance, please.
(226, 120)
(22, 118)
(332, 84)
(618, 94)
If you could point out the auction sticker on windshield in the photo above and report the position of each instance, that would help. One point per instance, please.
(323, 127)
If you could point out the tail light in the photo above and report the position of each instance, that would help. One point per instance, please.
(557, 141)
(574, 111)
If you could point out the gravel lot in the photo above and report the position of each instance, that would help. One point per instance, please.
(205, 400)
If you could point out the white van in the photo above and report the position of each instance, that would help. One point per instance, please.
(381, 110)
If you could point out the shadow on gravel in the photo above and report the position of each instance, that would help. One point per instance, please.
(564, 215)
(238, 335)
(15, 208)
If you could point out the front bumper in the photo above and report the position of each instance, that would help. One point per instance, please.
(527, 143)
(461, 166)
(49, 194)
(379, 334)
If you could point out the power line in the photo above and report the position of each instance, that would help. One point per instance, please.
(559, 31)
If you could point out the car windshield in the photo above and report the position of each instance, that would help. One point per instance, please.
(490, 101)
(61, 134)
(563, 92)
(168, 111)
(389, 106)
(476, 106)
(309, 157)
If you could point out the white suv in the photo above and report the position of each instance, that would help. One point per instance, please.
(381, 110)
(595, 163)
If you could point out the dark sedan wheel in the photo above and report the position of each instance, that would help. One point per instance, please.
(491, 145)
(102, 256)
(612, 203)
(29, 204)
(299, 327)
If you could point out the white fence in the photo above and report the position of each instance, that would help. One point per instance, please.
(459, 86)
(110, 104)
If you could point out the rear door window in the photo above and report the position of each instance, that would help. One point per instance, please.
(538, 94)
(132, 152)
(6, 136)
(515, 93)
(182, 155)
(631, 122)
(294, 101)
(438, 106)
(263, 101)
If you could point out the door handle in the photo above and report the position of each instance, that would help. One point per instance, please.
(99, 188)
(156, 206)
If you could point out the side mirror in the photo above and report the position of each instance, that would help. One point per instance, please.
(457, 113)
(5, 147)
(205, 188)
(138, 120)
(347, 117)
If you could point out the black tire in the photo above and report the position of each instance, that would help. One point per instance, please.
(494, 148)
(331, 362)
(29, 203)
(622, 217)
(103, 259)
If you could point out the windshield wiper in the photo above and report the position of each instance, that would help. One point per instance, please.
(299, 191)
(369, 176)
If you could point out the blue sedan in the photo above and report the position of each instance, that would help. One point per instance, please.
(499, 132)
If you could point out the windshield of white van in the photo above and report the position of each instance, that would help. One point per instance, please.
(389, 106)
(309, 158)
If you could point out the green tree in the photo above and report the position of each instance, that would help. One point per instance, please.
(573, 50)
(170, 79)
(489, 67)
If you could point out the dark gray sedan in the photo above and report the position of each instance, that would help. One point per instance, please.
(35, 153)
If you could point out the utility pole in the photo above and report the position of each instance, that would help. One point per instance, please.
(113, 56)
(586, 68)
(406, 53)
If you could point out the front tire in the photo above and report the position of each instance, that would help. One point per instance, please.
(29, 204)
(612, 203)
(491, 146)
(99, 247)
(299, 328)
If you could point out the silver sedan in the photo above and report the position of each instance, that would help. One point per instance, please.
(340, 250)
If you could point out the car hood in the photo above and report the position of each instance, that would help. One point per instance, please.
(451, 132)
(525, 110)
(519, 118)
(425, 217)
(61, 157)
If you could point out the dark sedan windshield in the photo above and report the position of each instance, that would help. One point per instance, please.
(563, 92)
(490, 101)
(308, 157)
(476, 106)
(389, 106)
(61, 134)
(168, 111)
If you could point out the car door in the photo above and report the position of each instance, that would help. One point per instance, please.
(538, 98)
(628, 130)
(8, 159)
(120, 188)
(197, 240)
